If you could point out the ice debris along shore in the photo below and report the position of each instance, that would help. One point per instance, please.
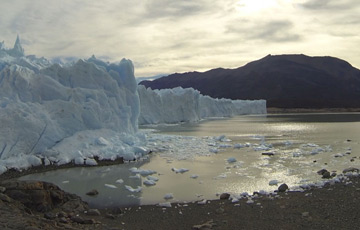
(56, 114)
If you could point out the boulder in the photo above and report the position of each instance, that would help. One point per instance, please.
(283, 188)
(224, 196)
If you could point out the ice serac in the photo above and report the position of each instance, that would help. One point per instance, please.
(51, 113)
(188, 105)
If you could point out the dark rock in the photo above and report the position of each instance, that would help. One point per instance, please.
(93, 212)
(5, 198)
(224, 196)
(63, 220)
(352, 159)
(110, 216)
(62, 214)
(333, 174)
(89, 221)
(268, 154)
(351, 169)
(77, 219)
(283, 188)
(50, 216)
(326, 175)
(93, 192)
(322, 171)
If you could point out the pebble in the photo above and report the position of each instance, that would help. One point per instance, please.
(93, 212)
(224, 196)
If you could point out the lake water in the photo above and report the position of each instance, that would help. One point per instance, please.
(302, 144)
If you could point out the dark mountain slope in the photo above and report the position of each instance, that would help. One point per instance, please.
(285, 81)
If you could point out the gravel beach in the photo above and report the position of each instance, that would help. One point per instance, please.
(334, 206)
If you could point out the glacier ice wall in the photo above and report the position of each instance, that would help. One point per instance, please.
(44, 105)
(188, 105)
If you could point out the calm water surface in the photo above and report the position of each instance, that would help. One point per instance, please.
(302, 144)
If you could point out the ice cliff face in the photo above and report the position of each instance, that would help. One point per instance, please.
(53, 114)
(43, 107)
(188, 105)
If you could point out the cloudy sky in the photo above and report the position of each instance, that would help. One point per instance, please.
(166, 36)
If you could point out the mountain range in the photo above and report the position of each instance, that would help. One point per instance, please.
(284, 81)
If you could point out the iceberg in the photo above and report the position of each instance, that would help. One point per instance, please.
(188, 105)
(58, 114)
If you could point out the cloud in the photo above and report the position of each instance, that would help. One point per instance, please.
(335, 5)
(271, 31)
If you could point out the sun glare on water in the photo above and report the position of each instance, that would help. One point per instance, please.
(252, 6)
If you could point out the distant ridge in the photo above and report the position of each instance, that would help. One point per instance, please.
(285, 81)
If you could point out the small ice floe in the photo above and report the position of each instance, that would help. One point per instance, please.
(263, 147)
(194, 176)
(152, 178)
(225, 146)
(239, 146)
(288, 143)
(222, 138)
(142, 172)
(149, 182)
(137, 176)
(221, 176)
(339, 155)
(316, 151)
(214, 150)
(110, 186)
(234, 200)
(231, 160)
(65, 182)
(297, 154)
(165, 205)
(249, 201)
(168, 196)
(311, 145)
(202, 202)
(273, 182)
(120, 181)
(181, 170)
(131, 189)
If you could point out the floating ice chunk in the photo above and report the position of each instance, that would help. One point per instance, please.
(297, 154)
(288, 143)
(225, 146)
(249, 201)
(149, 182)
(119, 181)
(131, 189)
(194, 176)
(136, 176)
(152, 178)
(110, 186)
(181, 170)
(168, 196)
(231, 160)
(273, 182)
(316, 151)
(65, 182)
(239, 146)
(165, 205)
(220, 138)
(202, 202)
(145, 172)
(339, 155)
(221, 176)
(312, 145)
(214, 150)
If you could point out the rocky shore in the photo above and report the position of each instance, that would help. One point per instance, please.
(34, 205)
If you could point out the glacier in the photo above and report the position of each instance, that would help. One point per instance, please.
(188, 105)
(87, 110)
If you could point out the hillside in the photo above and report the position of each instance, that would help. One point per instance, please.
(285, 81)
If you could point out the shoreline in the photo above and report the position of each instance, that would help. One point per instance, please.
(333, 206)
(274, 110)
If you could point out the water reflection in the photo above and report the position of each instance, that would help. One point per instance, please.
(302, 144)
